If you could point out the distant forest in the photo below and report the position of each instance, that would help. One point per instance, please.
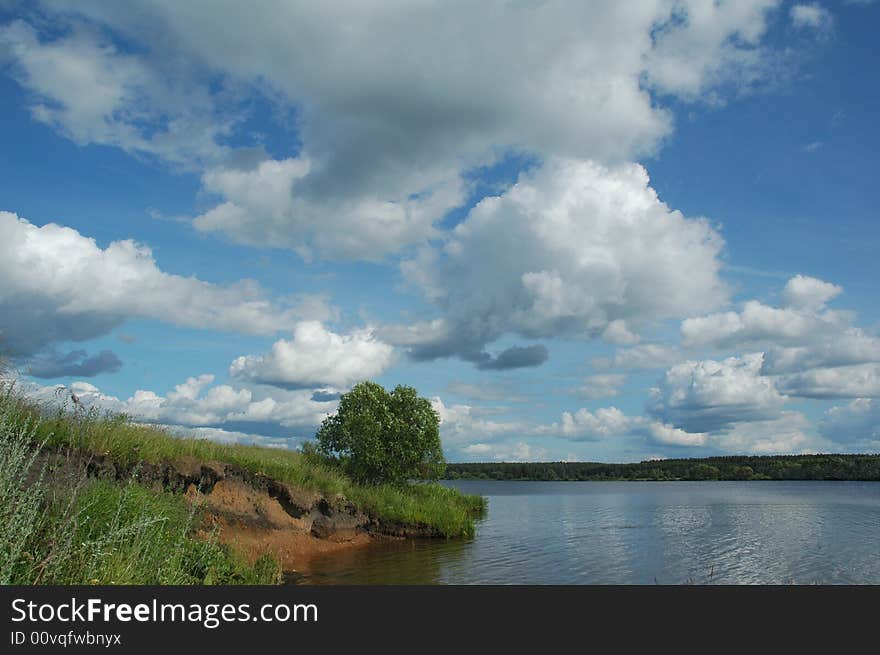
(774, 467)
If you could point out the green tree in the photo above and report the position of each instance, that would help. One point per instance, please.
(704, 472)
(384, 437)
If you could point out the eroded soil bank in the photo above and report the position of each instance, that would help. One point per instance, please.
(251, 512)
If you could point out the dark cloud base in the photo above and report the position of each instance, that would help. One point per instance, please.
(76, 363)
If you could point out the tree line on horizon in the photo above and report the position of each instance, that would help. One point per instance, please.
(734, 467)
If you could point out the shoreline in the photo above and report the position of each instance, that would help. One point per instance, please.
(826, 466)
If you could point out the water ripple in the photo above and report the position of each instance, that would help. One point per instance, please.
(629, 532)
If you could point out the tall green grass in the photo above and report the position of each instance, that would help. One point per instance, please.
(75, 530)
(123, 441)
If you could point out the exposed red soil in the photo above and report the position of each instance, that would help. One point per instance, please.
(253, 524)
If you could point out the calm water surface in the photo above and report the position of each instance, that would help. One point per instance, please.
(642, 532)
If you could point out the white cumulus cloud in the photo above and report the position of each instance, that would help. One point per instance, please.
(59, 285)
(385, 140)
(789, 433)
(861, 380)
(810, 350)
(602, 423)
(810, 293)
(596, 250)
(757, 324)
(672, 436)
(850, 346)
(315, 357)
(710, 396)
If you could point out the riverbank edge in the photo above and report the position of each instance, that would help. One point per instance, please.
(254, 514)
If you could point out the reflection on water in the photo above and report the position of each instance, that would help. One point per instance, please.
(423, 561)
(641, 533)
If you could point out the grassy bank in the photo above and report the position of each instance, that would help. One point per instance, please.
(164, 517)
(65, 528)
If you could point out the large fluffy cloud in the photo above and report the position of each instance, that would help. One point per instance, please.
(386, 139)
(803, 291)
(730, 406)
(858, 381)
(572, 249)
(59, 285)
(789, 433)
(802, 317)
(810, 350)
(694, 49)
(849, 346)
(586, 425)
(460, 424)
(669, 435)
(316, 357)
(756, 324)
(262, 206)
(710, 396)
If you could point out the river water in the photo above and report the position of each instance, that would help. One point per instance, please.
(641, 533)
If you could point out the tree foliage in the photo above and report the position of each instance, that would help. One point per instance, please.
(733, 467)
(384, 437)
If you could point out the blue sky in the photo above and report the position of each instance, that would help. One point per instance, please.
(584, 232)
